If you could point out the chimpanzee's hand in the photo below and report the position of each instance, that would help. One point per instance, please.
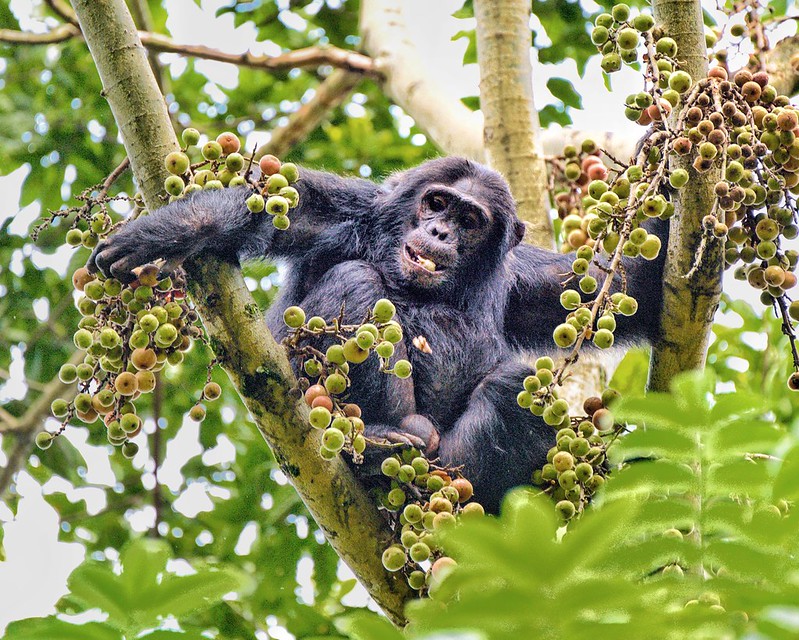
(417, 431)
(140, 242)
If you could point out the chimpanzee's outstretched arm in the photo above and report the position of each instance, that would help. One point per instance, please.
(326, 219)
(537, 276)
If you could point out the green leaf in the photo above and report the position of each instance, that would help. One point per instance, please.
(51, 628)
(564, 91)
(470, 55)
(473, 102)
(552, 114)
(95, 585)
(143, 560)
(631, 374)
(466, 11)
(179, 595)
(365, 625)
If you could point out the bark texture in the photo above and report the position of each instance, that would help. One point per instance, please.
(689, 303)
(510, 121)
(255, 362)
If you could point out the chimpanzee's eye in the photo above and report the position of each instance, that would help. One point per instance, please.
(437, 204)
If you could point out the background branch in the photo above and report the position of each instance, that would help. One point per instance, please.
(454, 128)
(782, 67)
(25, 427)
(256, 364)
(329, 94)
(61, 33)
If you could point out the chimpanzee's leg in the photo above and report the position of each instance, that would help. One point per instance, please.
(388, 403)
(499, 443)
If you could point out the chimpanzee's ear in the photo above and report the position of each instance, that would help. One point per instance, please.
(519, 230)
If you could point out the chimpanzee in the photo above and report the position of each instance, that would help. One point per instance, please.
(442, 241)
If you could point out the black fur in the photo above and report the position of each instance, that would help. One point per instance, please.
(494, 301)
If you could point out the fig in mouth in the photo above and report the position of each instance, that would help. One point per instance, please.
(420, 259)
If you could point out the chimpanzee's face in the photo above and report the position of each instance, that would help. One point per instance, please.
(452, 231)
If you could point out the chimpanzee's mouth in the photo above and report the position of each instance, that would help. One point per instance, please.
(421, 261)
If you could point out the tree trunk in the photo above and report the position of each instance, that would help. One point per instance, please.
(254, 361)
(510, 125)
(689, 303)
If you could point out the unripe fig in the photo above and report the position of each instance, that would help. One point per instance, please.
(255, 203)
(620, 12)
(177, 163)
(643, 22)
(565, 509)
(277, 206)
(627, 39)
(294, 317)
(190, 137)
(212, 150)
(666, 46)
(212, 391)
(394, 558)
(44, 440)
(402, 369)
(281, 223)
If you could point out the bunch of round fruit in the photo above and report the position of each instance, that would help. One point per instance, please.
(98, 226)
(749, 134)
(617, 36)
(129, 332)
(223, 165)
(423, 500)
(329, 370)
(575, 467)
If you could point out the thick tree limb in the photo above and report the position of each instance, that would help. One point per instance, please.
(445, 119)
(510, 120)
(689, 303)
(255, 362)
(143, 18)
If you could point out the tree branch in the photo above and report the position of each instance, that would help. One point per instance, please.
(257, 365)
(61, 33)
(329, 94)
(144, 21)
(62, 9)
(300, 58)
(25, 427)
(689, 303)
(511, 128)
(445, 119)
(782, 68)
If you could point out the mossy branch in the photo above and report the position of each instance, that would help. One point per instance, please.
(256, 364)
(689, 303)
(511, 130)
